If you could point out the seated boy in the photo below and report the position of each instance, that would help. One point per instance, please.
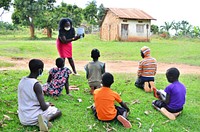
(57, 79)
(146, 70)
(105, 108)
(32, 108)
(172, 98)
(94, 71)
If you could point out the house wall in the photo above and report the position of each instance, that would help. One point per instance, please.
(111, 29)
(133, 35)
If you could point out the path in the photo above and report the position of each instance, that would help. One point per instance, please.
(111, 66)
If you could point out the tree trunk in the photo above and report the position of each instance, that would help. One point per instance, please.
(49, 32)
(32, 30)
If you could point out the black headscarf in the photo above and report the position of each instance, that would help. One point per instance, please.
(62, 32)
(63, 21)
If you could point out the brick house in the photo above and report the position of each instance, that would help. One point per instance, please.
(125, 24)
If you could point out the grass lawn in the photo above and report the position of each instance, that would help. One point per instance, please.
(76, 117)
(6, 64)
(184, 51)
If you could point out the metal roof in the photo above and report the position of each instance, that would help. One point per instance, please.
(130, 13)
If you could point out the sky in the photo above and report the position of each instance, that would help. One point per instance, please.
(162, 10)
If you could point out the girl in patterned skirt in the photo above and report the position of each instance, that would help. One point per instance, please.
(58, 78)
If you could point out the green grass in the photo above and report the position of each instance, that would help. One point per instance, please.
(24, 34)
(6, 64)
(184, 51)
(76, 117)
(28, 49)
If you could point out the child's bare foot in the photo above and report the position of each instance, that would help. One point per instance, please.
(124, 121)
(146, 87)
(169, 115)
(152, 85)
(177, 114)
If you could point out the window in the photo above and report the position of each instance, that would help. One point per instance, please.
(140, 28)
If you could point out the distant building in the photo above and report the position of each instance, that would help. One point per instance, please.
(125, 24)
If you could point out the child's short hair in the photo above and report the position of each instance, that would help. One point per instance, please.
(95, 53)
(173, 74)
(35, 64)
(107, 79)
(60, 62)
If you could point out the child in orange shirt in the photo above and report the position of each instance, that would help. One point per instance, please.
(105, 108)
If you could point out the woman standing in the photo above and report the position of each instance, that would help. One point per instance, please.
(64, 42)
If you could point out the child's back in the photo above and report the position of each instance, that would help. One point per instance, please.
(177, 92)
(32, 108)
(27, 100)
(58, 78)
(94, 71)
(146, 70)
(105, 99)
(172, 103)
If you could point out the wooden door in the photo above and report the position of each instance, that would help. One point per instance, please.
(124, 31)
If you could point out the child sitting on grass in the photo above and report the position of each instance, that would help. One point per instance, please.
(94, 71)
(172, 98)
(104, 100)
(146, 70)
(32, 108)
(58, 78)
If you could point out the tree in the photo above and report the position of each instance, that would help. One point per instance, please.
(185, 28)
(176, 27)
(27, 11)
(5, 4)
(47, 19)
(154, 29)
(90, 13)
(69, 11)
(101, 13)
(7, 26)
(196, 31)
(167, 26)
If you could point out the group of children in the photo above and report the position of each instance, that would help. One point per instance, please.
(172, 98)
(33, 110)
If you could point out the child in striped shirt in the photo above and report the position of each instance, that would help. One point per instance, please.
(146, 70)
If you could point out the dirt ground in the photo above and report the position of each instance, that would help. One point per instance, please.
(111, 66)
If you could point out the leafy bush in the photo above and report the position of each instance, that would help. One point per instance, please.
(7, 26)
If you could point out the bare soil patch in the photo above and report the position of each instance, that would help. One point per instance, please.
(111, 66)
